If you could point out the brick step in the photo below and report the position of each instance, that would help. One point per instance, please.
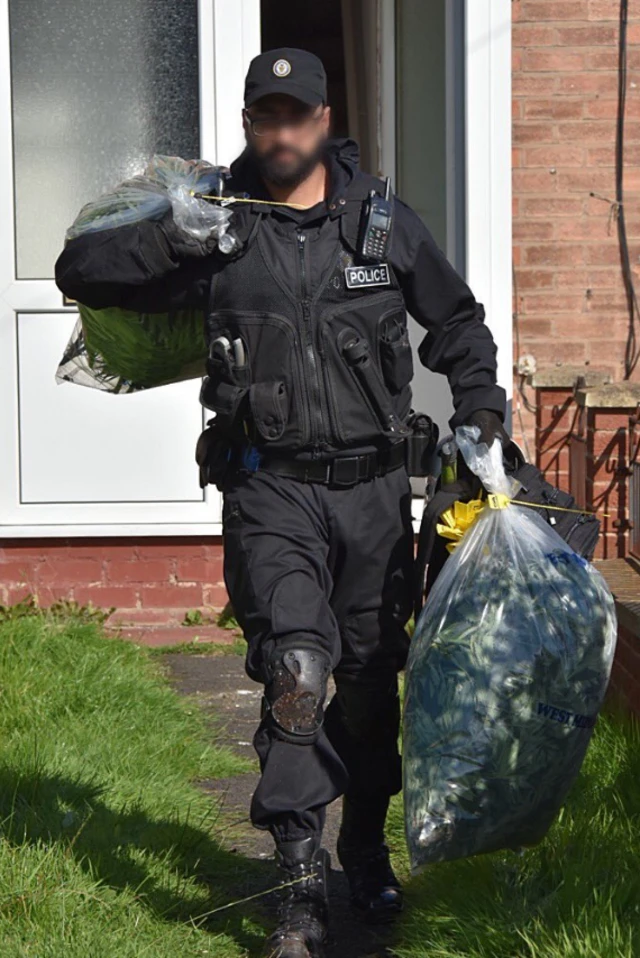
(162, 616)
(157, 636)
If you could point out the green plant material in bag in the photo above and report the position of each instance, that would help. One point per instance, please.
(119, 350)
(508, 669)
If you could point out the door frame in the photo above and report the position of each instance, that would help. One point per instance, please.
(479, 209)
(479, 228)
(229, 36)
(488, 172)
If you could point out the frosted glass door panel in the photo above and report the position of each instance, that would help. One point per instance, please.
(97, 89)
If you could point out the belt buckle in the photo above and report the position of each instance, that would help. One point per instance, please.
(310, 477)
(367, 468)
(352, 474)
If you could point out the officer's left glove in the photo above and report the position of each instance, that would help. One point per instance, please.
(490, 426)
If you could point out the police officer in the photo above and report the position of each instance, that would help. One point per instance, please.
(310, 376)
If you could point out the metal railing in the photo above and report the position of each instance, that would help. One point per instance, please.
(634, 509)
(578, 470)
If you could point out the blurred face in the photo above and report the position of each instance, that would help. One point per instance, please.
(286, 137)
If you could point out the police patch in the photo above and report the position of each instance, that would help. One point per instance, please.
(282, 68)
(359, 276)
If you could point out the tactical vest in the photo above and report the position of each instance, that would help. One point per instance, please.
(324, 369)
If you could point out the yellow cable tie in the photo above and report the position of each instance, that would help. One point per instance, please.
(497, 500)
(457, 519)
(247, 199)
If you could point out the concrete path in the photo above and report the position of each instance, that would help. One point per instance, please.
(232, 702)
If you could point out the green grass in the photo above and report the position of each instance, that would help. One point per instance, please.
(107, 848)
(577, 895)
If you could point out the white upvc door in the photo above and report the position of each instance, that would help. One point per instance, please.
(76, 461)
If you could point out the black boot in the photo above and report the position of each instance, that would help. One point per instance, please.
(304, 911)
(376, 894)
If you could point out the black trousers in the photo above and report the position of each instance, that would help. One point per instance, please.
(332, 568)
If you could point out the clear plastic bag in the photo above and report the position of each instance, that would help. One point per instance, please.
(119, 350)
(508, 669)
(167, 183)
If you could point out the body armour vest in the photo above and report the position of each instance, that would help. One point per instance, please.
(309, 348)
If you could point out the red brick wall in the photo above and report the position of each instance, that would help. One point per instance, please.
(147, 579)
(570, 297)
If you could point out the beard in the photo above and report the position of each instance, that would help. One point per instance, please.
(287, 173)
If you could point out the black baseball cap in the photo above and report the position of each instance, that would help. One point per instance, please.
(296, 73)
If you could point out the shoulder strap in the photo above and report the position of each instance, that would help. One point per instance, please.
(245, 223)
(362, 184)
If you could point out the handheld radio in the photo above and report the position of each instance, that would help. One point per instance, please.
(374, 234)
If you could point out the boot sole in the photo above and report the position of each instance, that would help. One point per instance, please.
(317, 951)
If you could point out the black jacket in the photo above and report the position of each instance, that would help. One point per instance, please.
(308, 399)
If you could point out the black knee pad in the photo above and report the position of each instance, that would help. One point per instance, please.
(295, 693)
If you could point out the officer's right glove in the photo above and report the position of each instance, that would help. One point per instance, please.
(181, 244)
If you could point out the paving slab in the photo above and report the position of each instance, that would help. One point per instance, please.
(159, 636)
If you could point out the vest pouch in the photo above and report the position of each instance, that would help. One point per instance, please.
(221, 365)
(223, 399)
(242, 375)
(396, 357)
(421, 445)
(356, 352)
(271, 362)
(269, 404)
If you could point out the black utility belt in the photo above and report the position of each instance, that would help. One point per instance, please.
(341, 472)
(218, 455)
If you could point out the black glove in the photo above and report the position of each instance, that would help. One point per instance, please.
(182, 244)
(490, 426)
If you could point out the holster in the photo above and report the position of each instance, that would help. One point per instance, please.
(421, 444)
(225, 391)
(213, 455)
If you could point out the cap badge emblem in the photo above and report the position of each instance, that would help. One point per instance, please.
(282, 68)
